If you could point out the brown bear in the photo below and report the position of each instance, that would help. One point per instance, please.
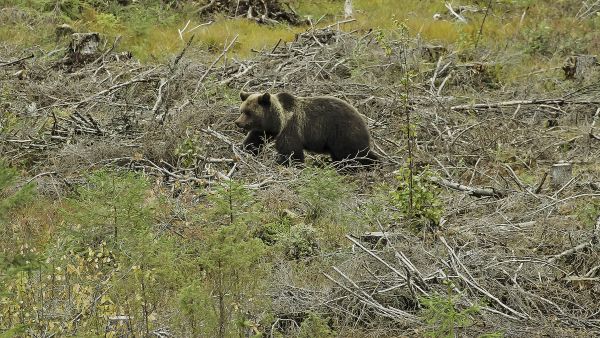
(321, 124)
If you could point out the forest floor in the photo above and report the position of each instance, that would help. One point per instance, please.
(128, 207)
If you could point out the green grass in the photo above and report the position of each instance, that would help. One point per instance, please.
(149, 28)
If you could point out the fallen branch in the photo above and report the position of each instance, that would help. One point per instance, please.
(458, 16)
(8, 63)
(183, 30)
(216, 61)
(476, 192)
(593, 241)
(592, 135)
(101, 57)
(205, 7)
(49, 173)
(471, 281)
(357, 243)
(113, 88)
(164, 82)
(237, 75)
(159, 99)
(367, 299)
(519, 102)
(573, 250)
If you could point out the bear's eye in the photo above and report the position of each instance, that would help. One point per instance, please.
(247, 113)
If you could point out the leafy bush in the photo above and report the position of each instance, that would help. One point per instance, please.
(13, 265)
(444, 319)
(315, 326)
(189, 150)
(105, 261)
(540, 40)
(299, 242)
(418, 201)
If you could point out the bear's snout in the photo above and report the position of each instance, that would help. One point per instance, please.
(240, 124)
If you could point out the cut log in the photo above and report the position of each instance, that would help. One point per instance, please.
(118, 325)
(432, 53)
(577, 67)
(83, 47)
(378, 237)
(63, 30)
(561, 174)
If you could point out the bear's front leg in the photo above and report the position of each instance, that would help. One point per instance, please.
(254, 141)
(290, 150)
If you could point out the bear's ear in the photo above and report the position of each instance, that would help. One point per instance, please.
(264, 99)
(244, 95)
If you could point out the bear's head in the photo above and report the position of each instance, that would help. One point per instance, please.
(257, 113)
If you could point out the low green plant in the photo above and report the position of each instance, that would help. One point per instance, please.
(15, 266)
(105, 260)
(233, 267)
(539, 40)
(443, 317)
(111, 207)
(588, 212)
(299, 241)
(325, 193)
(326, 197)
(426, 208)
(16, 198)
(189, 150)
(232, 203)
(107, 22)
(193, 301)
(315, 326)
(270, 232)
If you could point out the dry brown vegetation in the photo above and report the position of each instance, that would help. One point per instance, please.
(524, 252)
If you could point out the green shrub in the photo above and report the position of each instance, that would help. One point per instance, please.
(189, 150)
(232, 263)
(270, 232)
(111, 207)
(324, 192)
(588, 212)
(443, 318)
(418, 202)
(539, 40)
(10, 200)
(326, 197)
(14, 266)
(300, 241)
(193, 301)
(315, 326)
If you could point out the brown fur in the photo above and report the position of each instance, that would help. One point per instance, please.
(321, 124)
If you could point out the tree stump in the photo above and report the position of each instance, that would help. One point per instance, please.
(576, 67)
(561, 174)
(432, 53)
(63, 30)
(348, 9)
(378, 238)
(83, 47)
(118, 325)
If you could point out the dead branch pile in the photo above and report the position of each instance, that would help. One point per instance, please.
(518, 255)
(262, 11)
